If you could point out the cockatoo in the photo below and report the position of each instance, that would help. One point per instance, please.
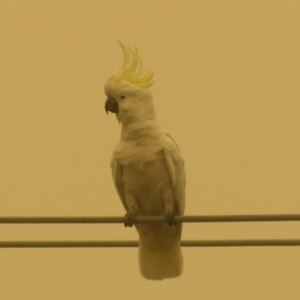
(147, 169)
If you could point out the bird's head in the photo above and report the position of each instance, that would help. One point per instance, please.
(127, 90)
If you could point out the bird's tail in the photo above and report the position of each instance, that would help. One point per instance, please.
(160, 254)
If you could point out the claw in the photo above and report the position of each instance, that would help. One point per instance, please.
(129, 219)
(170, 217)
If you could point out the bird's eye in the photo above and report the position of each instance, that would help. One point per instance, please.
(122, 97)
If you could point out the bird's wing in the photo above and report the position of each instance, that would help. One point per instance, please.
(175, 166)
(117, 171)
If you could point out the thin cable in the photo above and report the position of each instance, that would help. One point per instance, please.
(105, 244)
(150, 219)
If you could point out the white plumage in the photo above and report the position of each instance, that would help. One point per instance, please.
(148, 172)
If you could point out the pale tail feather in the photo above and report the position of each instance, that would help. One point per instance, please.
(160, 255)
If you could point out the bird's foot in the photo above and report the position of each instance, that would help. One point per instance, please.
(170, 217)
(129, 219)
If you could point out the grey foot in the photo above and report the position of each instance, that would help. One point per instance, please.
(129, 219)
(170, 217)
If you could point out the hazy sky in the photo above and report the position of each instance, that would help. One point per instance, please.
(227, 86)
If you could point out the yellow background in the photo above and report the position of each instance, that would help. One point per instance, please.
(227, 86)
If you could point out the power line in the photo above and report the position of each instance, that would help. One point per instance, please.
(150, 219)
(130, 244)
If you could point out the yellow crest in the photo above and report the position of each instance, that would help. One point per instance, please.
(131, 70)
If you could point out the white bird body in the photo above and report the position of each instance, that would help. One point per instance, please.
(148, 172)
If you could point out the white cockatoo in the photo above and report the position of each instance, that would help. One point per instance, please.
(147, 168)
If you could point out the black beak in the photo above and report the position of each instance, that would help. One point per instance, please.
(111, 105)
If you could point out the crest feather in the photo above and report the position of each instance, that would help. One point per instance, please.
(132, 68)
